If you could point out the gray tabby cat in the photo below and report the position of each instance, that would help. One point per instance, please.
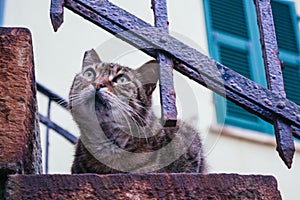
(111, 105)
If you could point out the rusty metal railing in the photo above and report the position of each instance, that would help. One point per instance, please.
(46, 120)
(269, 104)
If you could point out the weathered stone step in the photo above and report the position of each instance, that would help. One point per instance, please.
(142, 186)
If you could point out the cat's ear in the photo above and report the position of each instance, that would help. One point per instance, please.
(90, 57)
(148, 74)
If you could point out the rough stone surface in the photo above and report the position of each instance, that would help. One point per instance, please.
(20, 150)
(142, 186)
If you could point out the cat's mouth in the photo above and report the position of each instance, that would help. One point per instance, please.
(100, 101)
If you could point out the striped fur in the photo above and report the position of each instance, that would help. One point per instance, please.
(116, 101)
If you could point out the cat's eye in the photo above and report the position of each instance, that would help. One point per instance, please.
(121, 79)
(89, 74)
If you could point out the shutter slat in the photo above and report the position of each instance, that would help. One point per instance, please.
(284, 27)
(291, 78)
(237, 60)
(286, 33)
(229, 16)
(240, 113)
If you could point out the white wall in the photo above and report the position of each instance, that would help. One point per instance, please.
(58, 57)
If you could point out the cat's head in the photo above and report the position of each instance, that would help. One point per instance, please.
(113, 86)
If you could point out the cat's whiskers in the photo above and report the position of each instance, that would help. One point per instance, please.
(131, 114)
(61, 102)
(76, 102)
(122, 109)
(119, 119)
(131, 110)
(128, 110)
(78, 98)
(137, 104)
(112, 100)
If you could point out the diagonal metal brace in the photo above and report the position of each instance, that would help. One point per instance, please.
(64, 133)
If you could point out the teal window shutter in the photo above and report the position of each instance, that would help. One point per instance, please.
(287, 33)
(233, 40)
(238, 60)
(286, 27)
(224, 19)
(291, 78)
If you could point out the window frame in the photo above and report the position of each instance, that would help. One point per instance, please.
(216, 38)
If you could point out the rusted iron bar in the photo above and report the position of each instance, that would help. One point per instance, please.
(50, 124)
(66, 134)
(57, 13)
(52, 96)
(46, 120)
(240, 90)
(283, 130)
(167, 90)
(47, 139)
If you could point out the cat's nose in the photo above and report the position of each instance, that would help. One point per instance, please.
(98, 84)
